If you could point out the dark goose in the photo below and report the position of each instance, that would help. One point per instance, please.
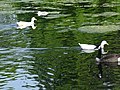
(110, 59)
(107, 60)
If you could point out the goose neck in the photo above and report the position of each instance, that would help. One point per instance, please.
(98, 58)
(102, 46)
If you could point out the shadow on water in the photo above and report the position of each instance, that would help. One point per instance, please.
(49, 57)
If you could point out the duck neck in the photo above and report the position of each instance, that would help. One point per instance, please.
(32, 21)
(102, 46)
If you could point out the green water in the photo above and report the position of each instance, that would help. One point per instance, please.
(49, 57)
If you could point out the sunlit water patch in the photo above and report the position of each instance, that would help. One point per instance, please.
(22, 69)
(99, 29)
(15, 66)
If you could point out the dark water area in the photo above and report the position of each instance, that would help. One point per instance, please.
(49, 57)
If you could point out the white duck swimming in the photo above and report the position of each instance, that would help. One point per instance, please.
(23, 24)
(40, 13)
(87, 48)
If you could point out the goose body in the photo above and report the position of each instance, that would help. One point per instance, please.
(112, 59)
(23, 24)
(40, 13)
(108, 59)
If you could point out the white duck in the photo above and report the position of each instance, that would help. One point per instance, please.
(87, 48)
(40, 13)
(23, 24)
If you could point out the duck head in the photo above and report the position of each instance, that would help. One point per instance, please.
(101, 47)
(33, 19)
(103, 43)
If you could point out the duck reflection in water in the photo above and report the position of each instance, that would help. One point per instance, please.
(112, 60)
(42, 13)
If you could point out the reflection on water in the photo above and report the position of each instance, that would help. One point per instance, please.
(49, 57)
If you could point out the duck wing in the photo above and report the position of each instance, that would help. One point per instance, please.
(87, 46)
(22, 23)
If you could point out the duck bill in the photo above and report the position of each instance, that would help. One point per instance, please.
(107, 43)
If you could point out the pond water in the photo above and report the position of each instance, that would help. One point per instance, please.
(49, 57)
